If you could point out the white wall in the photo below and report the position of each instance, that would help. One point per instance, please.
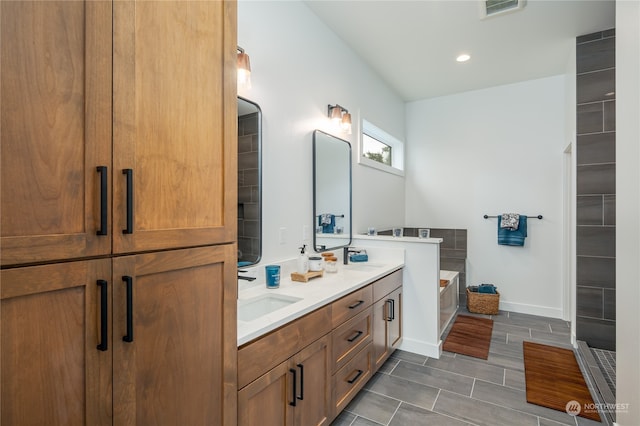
(487, 152)
(299, 67)
(569, 192)
(628, 211)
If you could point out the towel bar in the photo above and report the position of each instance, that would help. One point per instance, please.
(486, 216)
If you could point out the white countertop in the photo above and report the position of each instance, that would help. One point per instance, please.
(314, 294)
(398, 239)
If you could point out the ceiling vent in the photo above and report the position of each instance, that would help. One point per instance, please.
(499, 7)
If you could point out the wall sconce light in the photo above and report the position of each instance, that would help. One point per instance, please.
(244, 69)
(340, 117)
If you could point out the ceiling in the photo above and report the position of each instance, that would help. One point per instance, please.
(413, 45)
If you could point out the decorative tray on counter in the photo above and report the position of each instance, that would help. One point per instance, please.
(306, 277)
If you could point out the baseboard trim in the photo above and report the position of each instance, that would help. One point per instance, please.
(523, 308)
(421, 347)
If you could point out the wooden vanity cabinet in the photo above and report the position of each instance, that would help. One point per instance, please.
(332, 350)
(351, 363)
(297, 390)
(387, 317)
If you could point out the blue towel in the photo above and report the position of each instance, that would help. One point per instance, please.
(487, 289)
(328, 222)
(508, 237)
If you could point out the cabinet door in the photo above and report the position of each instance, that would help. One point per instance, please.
(52, 370)
(175, 124)
(56, 129)
(174, 325)
(267, 401)
(395, 325)
(387, 326)
(381, 318)
(313, 393)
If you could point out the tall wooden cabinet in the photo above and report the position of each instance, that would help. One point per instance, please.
(56, 129)
(174, 97)
(52, 370)
(171, 337)
(118, 221)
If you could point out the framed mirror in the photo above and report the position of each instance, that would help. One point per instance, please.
(331, 192)
(249, 182)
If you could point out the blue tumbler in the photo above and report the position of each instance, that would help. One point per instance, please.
(272, 273)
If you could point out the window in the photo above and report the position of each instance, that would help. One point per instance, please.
(380, 150)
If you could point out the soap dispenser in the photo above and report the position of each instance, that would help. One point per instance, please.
(303, 261)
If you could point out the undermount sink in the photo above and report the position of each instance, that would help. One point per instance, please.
(253, 308)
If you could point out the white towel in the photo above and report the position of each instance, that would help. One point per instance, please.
(326, 218)
(510, 221)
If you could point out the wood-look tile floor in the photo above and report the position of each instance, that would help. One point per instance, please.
(414, 390)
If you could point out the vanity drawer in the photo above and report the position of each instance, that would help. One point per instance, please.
(351, 378)
(351, 305)
(259, 356)
(386, 285)
(350, 338)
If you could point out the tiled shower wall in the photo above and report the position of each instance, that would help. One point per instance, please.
(248, 189)
(596, 190)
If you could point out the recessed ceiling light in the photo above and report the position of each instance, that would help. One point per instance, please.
(463, 58)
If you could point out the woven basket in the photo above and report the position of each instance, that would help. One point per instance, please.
(483, 303)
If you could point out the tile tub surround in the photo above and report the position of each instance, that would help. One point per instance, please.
(415, 390)
(453, 252)
(315, 293)
(596, 189)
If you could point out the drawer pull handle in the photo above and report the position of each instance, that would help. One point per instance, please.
(293, 394)
(355, 305)
(104, 332)
(393, 309)
(389, 304)
(129, 283)
(358, 374)
(355, 336)
(129, 174)
(103, 200)
(301, 396)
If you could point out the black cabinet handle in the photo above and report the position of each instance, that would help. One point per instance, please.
(301, 396)
(104, 331)
(388, 316)
(355, 305)
(295, 379)
(393, 309)
(356, 377)
(129, 174)
(129, 283)
(103, 200)
(355, 336)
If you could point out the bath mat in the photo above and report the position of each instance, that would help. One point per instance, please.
(553, 379)
(470, 336)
